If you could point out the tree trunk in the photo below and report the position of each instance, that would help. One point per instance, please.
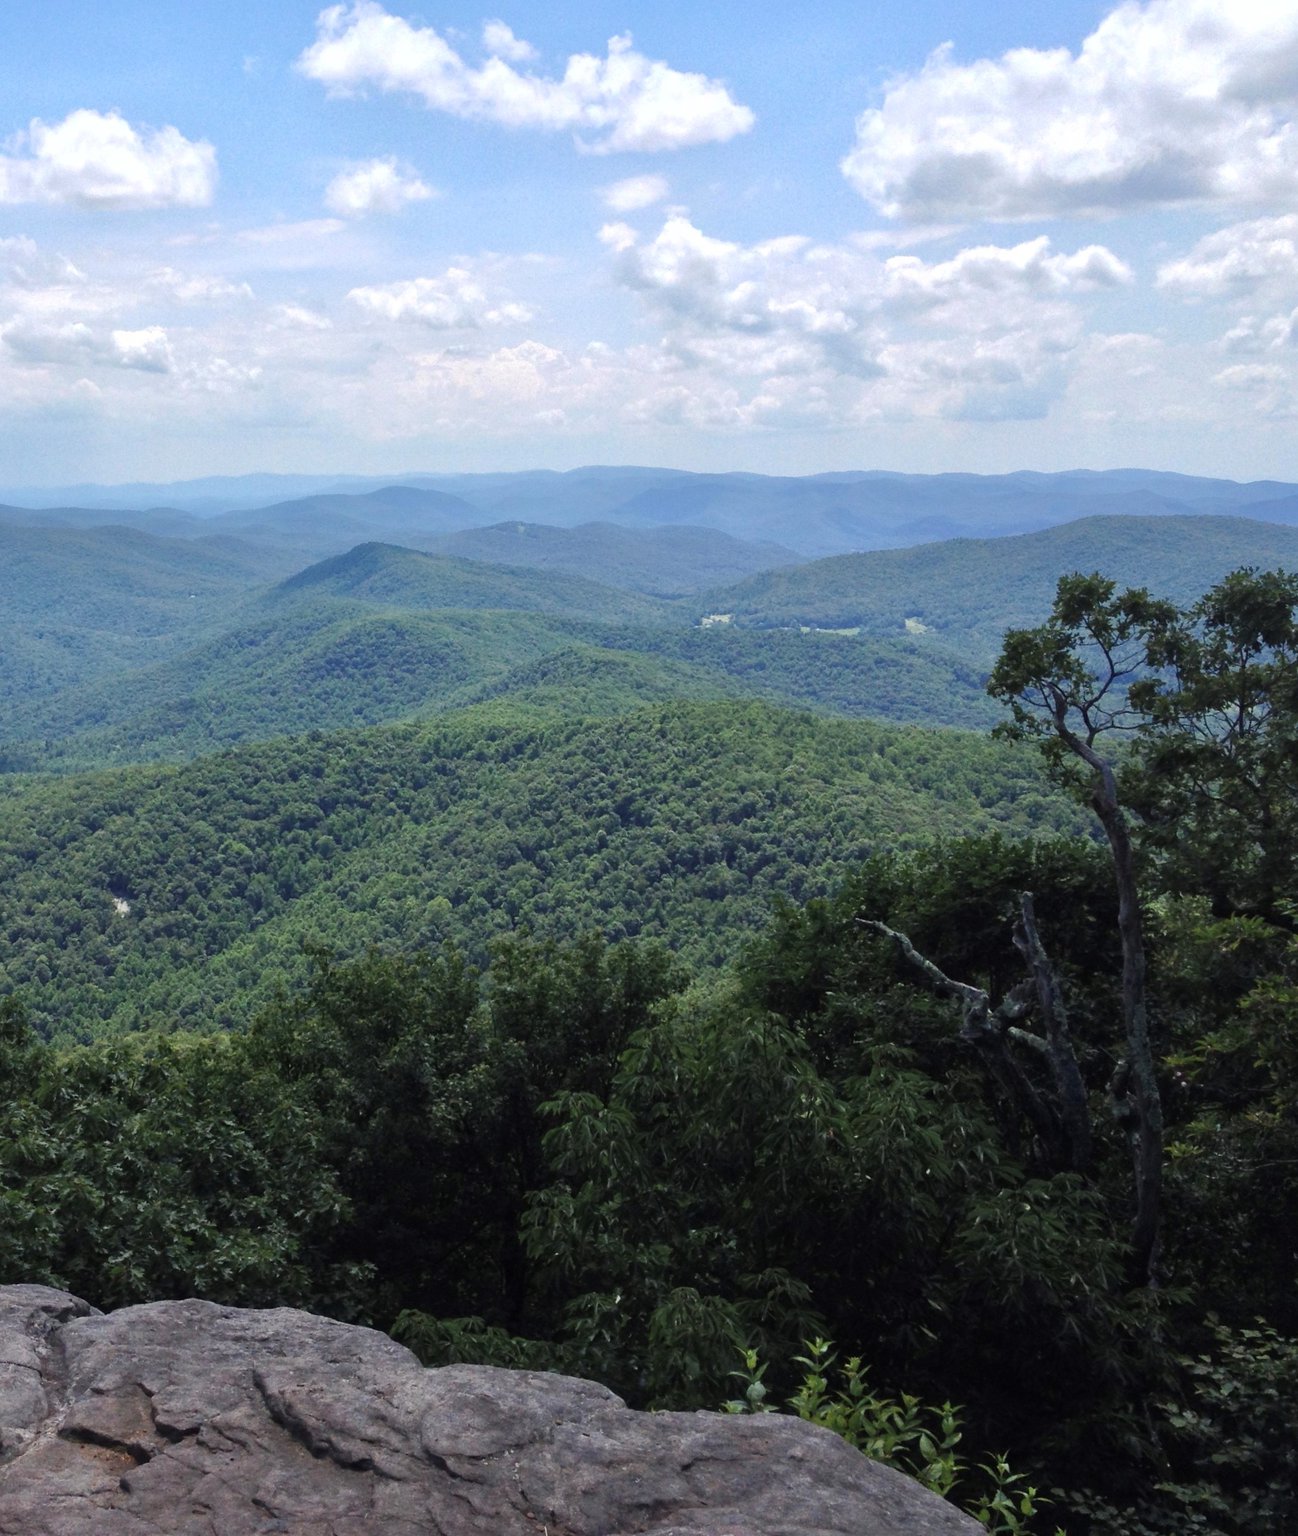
(1143, 1116)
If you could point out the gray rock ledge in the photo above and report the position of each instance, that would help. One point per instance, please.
(183, 1418)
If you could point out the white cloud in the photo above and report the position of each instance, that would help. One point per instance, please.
(77, 344)
(618, 236)
(1168, 103)
(98, 160)
(377, 186)
(297, 317)
(26, 266)
(500, 42)
(623, 101)
(147, 349)
(196, 287)
(987, 334)
(32, 341)
(635, 192)
(1240, 259)
(1263, 389)
(456, 300)
(1029, 268)
(219, 376)
(1251, 376)
(1255, 334)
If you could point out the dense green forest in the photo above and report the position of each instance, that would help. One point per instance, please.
(506, 961)
(124, 647)
(338, 663)
(678, 821)
(967, 592)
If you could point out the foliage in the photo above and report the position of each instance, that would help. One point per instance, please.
(902, 1432)
(1230, 1466)
(967, 592)
(165, 1167)
(1215, 777)
(678, 822)
(512, 1139)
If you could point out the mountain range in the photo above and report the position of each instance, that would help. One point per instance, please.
(812, 516)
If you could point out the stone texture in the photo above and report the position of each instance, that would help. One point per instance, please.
(189, 1419)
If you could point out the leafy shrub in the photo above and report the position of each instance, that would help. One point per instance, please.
(902, 1432)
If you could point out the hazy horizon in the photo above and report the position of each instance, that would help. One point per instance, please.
(248, 238)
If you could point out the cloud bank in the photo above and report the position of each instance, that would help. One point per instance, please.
(1169, 103)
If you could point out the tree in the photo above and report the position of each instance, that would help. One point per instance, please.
(1207, 702)
(1068, 683)
(1215, 775)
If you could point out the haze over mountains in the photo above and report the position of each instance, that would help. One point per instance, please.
(812, 516)
(350, 608)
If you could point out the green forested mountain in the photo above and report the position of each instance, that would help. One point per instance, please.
(83, 603)
(387, 575)
(682, 821)
(969, 591)
(117, 645)
(321, 664)
(266, 1068)
(330, 663)
(879, 679)
(668, 562)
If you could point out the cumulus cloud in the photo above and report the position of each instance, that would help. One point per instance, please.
(377, 186)
(147, 349)
(1240, 259)
(25, 265)
(1251, 376)
(456, 300)
(984, 334)
(500, 42)
(792, 284)
(99, 160)
(635, 192)
(623, 101)
(1028, 268)
(1168, 103)
(1253, 333)
(297, 317)
(33, 342)
(76, 343)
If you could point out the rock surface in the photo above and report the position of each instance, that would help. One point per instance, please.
(181, 1418)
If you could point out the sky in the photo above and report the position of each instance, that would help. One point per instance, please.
(375, 238)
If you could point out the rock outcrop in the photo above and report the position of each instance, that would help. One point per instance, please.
(181, 1418)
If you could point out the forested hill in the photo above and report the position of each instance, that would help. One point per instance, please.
(666, 561)
(969, 591)
(335, 663)
(405, 578)
(184, 895)
(120, 646)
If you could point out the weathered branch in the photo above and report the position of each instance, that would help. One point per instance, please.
(1145, 1135)
(989, 1030)
(1070, 1088)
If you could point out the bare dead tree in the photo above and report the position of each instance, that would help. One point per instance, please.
(1060, 1117)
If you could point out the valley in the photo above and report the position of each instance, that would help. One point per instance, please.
(464, 926)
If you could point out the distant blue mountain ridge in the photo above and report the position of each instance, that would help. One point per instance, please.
(804, 516)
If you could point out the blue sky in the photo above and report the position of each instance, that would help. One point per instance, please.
(376, 238)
